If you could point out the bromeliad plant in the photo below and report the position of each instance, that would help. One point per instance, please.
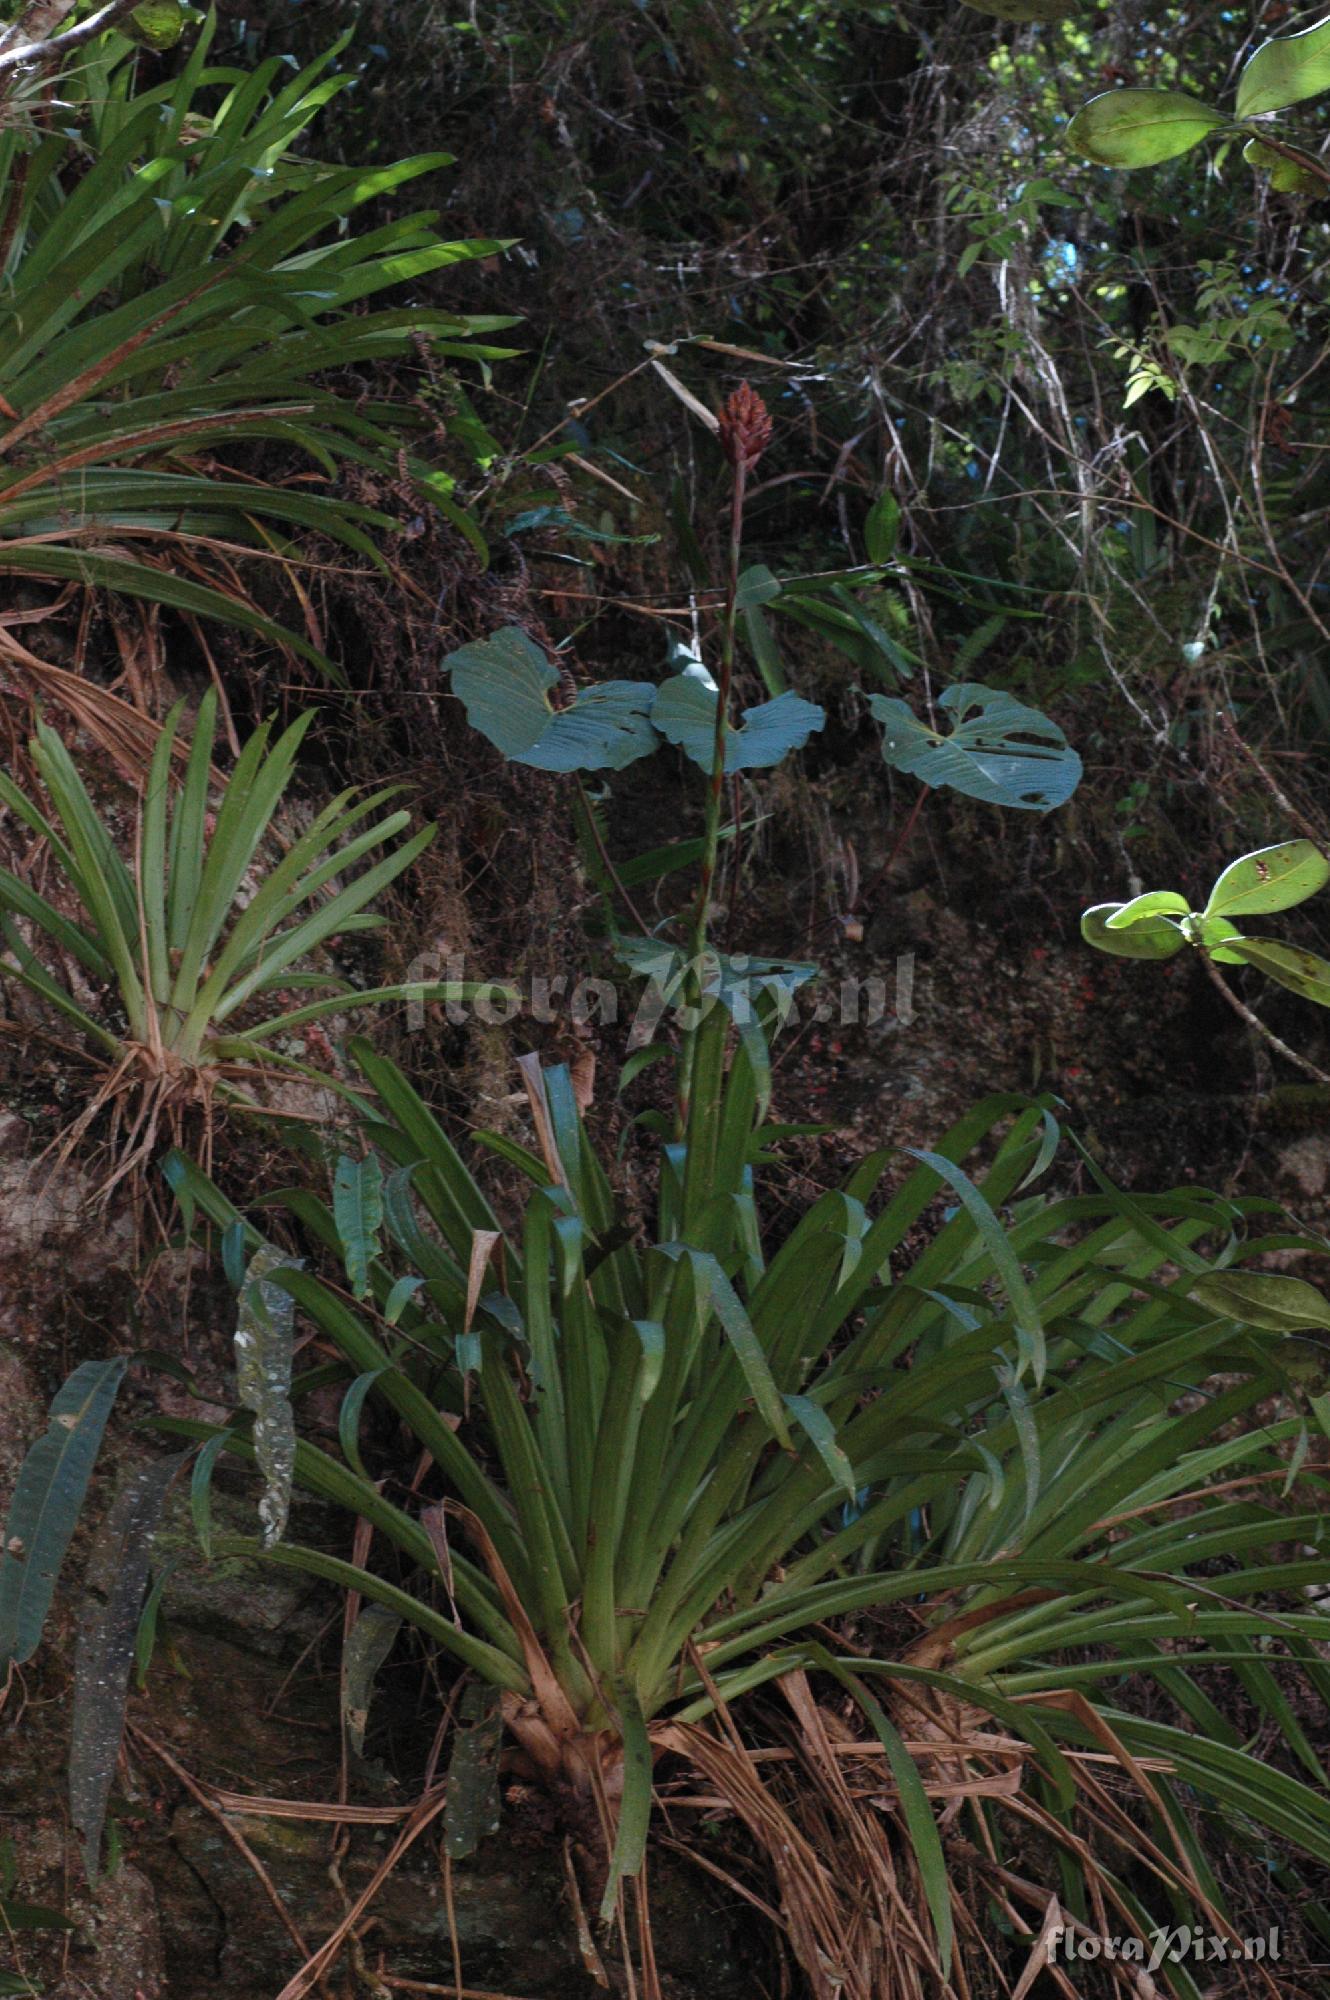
(180, 280)
(1160, 923)
(1026, 1463)
(192, 938)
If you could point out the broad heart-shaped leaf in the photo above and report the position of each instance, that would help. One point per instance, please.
(1139, 128)
(1024, 10)
(1286, 176)
(998, 750)
(607, 727)
(1285, 71)
(1301, 971)
(1151, 937)
(504, 682)
(1154, 903)
(1273, 878)
(48, 1494)
(1280, 1305)
(685, 713)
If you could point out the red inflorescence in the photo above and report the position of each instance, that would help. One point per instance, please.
(745, 427)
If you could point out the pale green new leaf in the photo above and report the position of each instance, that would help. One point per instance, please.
(1155, 903)
(1148, 937)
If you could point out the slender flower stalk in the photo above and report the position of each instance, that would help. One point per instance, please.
(744, 433)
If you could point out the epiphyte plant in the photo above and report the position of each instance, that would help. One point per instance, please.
(1142, 128)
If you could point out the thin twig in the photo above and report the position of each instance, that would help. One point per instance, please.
(1285, 804)
(1254, 1021)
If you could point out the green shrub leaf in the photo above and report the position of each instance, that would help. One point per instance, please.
(1140, 128)
(1287, 176)
(1155, 903)
(997, 750)
(1149, 937)
(882, 527)
(1273, 878)
(1301, 971)
(1285, 71)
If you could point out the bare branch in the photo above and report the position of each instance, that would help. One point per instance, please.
(30, 54)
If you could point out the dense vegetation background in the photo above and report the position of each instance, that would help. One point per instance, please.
(290, 430)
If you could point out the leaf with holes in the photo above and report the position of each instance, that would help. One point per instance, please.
(997, 749)
(504, 683)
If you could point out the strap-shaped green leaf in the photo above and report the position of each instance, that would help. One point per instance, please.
(48, 1497)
